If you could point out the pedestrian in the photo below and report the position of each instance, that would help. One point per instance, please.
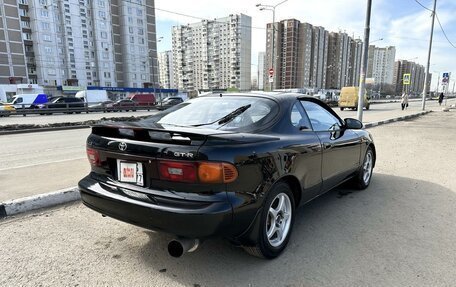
(441, 99)
(404, 101)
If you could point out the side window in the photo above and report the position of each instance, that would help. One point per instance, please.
(299, 118)
(19, 100)
(321, 119)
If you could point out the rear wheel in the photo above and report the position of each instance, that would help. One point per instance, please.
(276, 223)
(367, 107)
(341, 109)
(364, 174)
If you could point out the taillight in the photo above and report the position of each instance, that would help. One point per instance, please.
(178, 171)
(93, 156)
(202, 172)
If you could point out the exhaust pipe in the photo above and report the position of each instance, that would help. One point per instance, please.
(177, 247)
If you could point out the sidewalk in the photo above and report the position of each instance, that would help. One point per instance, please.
(31, 200)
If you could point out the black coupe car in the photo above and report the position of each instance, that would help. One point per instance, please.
(234, 165)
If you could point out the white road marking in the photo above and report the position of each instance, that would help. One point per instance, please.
(41, 163)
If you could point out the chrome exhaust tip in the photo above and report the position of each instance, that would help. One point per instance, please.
(177, 247)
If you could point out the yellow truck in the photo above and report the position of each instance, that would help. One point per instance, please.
(349, 98)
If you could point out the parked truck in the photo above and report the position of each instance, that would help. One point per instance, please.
(93, 96)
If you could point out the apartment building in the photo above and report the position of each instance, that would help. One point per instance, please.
(417, 74)
(82, 42)
(344, 61)
(307, 56)
(17, 63)
(261, 68)
(166, 71)
(380, 64)
(213, 54)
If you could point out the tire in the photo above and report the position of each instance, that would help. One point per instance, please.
(364, 175)
(341, 109)
(367, 107)
(272, 246)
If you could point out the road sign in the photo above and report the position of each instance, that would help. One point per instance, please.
(271, 79)
(271, 72)
(406, 79)
(445, 78)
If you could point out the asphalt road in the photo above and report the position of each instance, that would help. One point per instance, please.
(398, 232)
(35, 163)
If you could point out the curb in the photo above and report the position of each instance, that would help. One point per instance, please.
(17, 206)
(374, 124)
(50, 129)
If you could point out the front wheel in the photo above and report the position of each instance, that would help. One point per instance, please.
(364, 174)
(276, 223)
(341, 109)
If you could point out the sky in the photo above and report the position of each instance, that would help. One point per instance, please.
(400, 23)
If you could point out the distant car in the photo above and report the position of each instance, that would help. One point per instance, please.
(349, 99)
(125, 104)
(6, 110)
(233, 165)
(63, 104)
(28, 101)
(169, 102)
(143, 100)
(105, 106)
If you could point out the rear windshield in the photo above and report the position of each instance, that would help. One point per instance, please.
(235, 113)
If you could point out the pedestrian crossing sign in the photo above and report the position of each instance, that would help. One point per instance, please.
(406, 79)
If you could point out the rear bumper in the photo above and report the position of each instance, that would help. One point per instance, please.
(180, 217)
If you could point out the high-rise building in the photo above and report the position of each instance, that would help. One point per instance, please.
(213, 54)
(261, 69)
(344, 61)
(417, 73)
(380, 64)
(17, 64)
(165, 64)
(320, 38)
(86, 43)
(307, 56)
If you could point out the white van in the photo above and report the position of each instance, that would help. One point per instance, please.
(28, 100)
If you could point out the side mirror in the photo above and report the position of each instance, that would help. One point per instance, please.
(353, 124)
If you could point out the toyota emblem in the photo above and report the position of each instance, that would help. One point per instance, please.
(123, 146)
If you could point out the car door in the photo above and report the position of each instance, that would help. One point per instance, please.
(341, 147)
(303, 158)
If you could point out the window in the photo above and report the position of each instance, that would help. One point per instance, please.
(132, 39)
(139, 12)
(44, 13)
(140, 22)
(101, 3)
(141, 40)
(140, 31)
(47, 38)
(298, 118)
(104, 35)
(48, 50)
(143, 77)
(105, 55)
(45, 25)
(51, 72)
(321, 119)
(107, 74)
(129, 9)
(130, 29)
(102, 14)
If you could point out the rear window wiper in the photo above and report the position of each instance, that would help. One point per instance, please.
(228, 118)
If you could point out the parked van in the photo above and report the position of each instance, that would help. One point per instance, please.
(29, 100)
(143, 100)
(93, 96)
(349, 98)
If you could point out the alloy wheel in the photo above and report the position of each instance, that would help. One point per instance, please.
(278, 220)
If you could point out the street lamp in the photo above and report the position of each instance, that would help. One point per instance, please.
(271, 8)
